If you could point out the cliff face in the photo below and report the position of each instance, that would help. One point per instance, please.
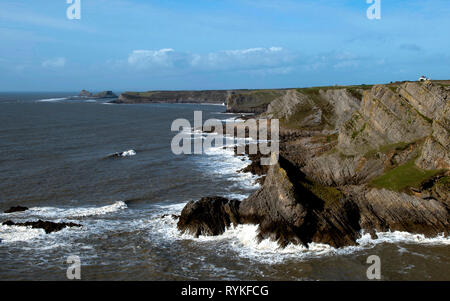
(372, 158)
(210, 96)
(252, 101)
(315, 108)
(387, 130)
(237, 101)
(103, 94)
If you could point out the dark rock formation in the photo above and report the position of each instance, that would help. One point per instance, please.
(291, 209)
(208, 216)
(85, 93)
(207, 96)
(288, 212)
(252, 101)
(351, 159)
(105, 94)
(49, 227)
(16, 209)
(255, 167)
(173, 216)
(124, 154)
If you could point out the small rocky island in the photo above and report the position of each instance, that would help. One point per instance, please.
(103, 94)
(352, 159)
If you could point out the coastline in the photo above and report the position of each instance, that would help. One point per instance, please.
(336, 215)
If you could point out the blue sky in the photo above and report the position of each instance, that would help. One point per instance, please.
(219, 44)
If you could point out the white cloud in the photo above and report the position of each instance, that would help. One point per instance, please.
(58, 62)
(226, 60)
(142, 58)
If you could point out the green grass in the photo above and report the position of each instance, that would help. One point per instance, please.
(355, 92)
(403, 176)
(385, 149)
(393, 89)
(329, 195)
(254, 98)
(444, 181)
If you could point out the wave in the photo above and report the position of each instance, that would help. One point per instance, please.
(59, 213)
(128, 153)
(37, 239)
(243, 241)
(52, 99)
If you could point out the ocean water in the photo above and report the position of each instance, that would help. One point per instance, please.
(55, 160)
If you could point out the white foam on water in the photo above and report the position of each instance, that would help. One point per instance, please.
(128, 153)
(52, 99)
(404, 237)
(9, 234)
(237, 196)
(243, 241)
(222, 161)
(70, 238)
(61, 213)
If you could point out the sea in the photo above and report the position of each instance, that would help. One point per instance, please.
(57, 159)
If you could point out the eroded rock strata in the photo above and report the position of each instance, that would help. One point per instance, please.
(371, 158)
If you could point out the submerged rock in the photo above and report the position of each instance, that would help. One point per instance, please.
(128, 153)
(209, 216)
(16, 209)
(49, 227)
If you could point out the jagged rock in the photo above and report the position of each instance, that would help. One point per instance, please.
(436, 149)
(320, 191)
(343, 102)
(173, 216)
(207, 96)
(287, 212)
(209, 216)
(384, 118)
(324, 107)
(105, 94)
(249, 101)
(49, 227)
(286, 105)
(16, 209)
(384, 210)
(85, 93)
(427, 98)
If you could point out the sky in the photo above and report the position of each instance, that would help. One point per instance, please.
(140, 45)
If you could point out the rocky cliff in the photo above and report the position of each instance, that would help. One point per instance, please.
(103, 94)
(237, 101)
(372, 158)
(208, 96)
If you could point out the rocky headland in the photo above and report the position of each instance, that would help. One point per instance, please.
(352, 159)
(207, 96)
(237, 101)
(103, 94)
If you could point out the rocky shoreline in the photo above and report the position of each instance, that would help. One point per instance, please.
(370, 159)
